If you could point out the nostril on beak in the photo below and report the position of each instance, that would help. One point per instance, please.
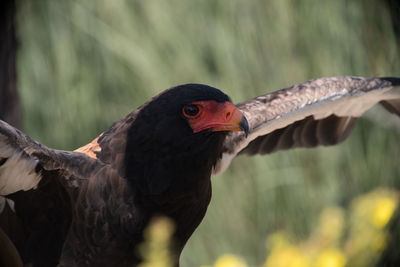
(228, 115)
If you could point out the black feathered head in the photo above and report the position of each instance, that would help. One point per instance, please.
(177, 137)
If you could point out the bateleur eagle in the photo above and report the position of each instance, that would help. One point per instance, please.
(89, 207)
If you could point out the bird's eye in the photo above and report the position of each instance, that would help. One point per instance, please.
(190, 110)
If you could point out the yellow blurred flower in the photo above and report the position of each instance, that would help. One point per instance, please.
(229, 260)
(278, 240)
(367, 237)
(375, 208)
(331, 258)
(156, 247)
(287, 257)
(383, 211)
(330, 227)
(379, 242)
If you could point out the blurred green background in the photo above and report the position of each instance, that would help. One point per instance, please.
(84, 64)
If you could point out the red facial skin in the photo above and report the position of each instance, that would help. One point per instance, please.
(215, 116)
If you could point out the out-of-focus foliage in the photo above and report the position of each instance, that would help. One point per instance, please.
(352, 237)
(329, 245)
(84, 64)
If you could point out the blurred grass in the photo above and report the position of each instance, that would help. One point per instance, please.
(354, 237)
(84, 64)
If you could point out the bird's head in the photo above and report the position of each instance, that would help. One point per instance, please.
(210, 110)
(181, 131)
(200, 107)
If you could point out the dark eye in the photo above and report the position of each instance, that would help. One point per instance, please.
(191, 110)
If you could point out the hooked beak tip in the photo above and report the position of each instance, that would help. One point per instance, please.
(244, 125)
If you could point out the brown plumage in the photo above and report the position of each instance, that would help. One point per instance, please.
(91, 148)
(90, 207)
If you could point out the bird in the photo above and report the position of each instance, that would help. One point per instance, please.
(90, 207)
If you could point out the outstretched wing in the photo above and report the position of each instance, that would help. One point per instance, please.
(22, 160)
(318, 112)
(37, 182)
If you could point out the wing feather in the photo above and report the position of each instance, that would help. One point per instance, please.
(22, 159)
(37, 221)
(318, 112)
